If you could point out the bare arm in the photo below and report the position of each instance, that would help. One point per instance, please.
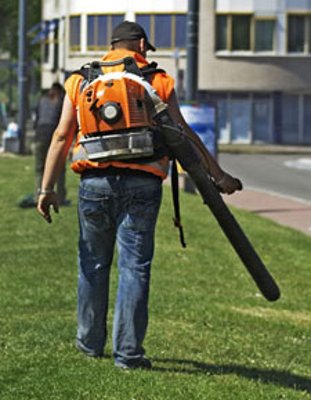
(56, 158)
(225, 181)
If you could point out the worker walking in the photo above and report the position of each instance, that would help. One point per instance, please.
(120, 189)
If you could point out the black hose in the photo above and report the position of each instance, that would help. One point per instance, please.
(190, 160)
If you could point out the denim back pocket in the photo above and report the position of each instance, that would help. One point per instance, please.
(143, 208)
(95, 209)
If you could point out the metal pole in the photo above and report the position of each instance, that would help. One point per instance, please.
(192, 50)
(10, 90)
(22, 75)
(192, 67)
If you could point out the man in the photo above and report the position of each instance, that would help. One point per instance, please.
(48, 112)
(47, 116)
(118, 203)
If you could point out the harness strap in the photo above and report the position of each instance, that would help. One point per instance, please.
(175, 194)
(151, 69)
(91, 71)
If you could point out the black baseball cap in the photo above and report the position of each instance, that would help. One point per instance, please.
(128, 30)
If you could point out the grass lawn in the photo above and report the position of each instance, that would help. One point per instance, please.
(211, 334)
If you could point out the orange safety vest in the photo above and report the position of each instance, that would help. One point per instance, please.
(164, 85)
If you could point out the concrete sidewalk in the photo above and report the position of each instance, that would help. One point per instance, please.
(286, 211)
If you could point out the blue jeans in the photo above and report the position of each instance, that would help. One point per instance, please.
(116, 209)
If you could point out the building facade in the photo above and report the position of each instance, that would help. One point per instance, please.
(255, 63)
(254, 56)
(76, 31)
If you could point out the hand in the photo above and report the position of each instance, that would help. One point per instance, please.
(45, 201)
(228, 184)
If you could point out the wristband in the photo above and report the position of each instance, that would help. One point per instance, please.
(46, 191)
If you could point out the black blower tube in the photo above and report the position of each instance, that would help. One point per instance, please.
(187, 155)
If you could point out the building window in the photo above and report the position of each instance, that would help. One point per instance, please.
(180, 30)
(233, 32)
(46, 52)
(290, 118)
(164, 30)
(241, 29)
(145, 21)
(99, 30)
(264, 34)
(242, 32)
(222, 103)
(261, 118)
(56, 49)
(297, 29)
(240, 114)
(44, 34)
(307, 120)
(75, 32)
(222, 32)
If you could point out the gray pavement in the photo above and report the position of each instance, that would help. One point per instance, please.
(286, 174)
(277, 185)
(287, 211)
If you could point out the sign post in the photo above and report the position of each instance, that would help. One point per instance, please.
(202, 120)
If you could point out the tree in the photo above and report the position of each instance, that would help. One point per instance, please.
(9, 49)
(9, 25)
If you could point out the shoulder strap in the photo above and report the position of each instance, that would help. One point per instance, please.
(89, 72)
(151, 69)
(175, 194)
(92, 70)
(82, 71)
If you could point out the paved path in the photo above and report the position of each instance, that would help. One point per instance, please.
(286, 211)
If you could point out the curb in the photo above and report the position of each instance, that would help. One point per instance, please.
(263, 149)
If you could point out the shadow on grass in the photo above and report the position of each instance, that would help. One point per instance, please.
(281, 378)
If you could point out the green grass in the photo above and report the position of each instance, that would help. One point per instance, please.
(211, 334)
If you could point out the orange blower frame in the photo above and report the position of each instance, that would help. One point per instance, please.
(130, 97)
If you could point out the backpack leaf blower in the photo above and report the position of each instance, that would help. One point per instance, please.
(189, 158)
(188, 155)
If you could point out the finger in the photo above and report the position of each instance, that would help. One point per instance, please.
(48, 218)
(45, 215)
(239, 184)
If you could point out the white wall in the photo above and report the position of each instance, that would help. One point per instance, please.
(53, 8)
(127, 6)
(262, 6)
(295, 4)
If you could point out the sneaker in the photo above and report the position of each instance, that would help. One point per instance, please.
(27, 201)
(143, 363)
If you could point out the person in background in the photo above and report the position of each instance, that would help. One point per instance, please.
(47, 116)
